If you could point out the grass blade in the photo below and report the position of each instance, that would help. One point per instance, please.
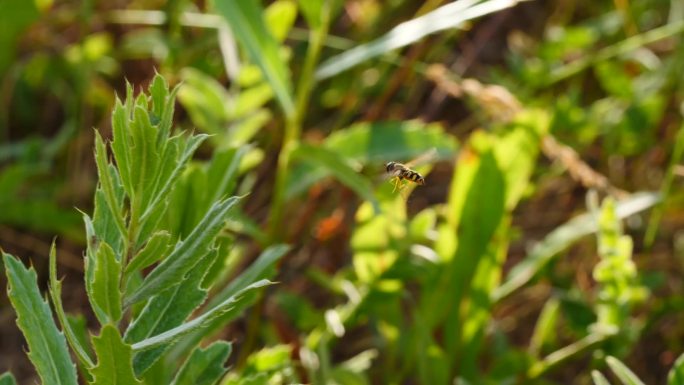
(337, 166)
(204, 366)
(599, 379)
(657, 213)
(676, 375)
(622, 372)
(246, 20)
(47, 346)
(448, 16)
(562, 237)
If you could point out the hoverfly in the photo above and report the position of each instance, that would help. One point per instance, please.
(400, 172)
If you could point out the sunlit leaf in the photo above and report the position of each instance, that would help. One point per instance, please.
(246, 19)
(56, 295)
(622, 372)
(231, 306)
(184, 256)
(564, 236)
(451, 15)
(204, 366)
(114, 365)
(47, 346)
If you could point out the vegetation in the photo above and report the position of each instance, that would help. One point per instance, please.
(236, 228)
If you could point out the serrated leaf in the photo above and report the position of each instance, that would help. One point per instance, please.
(232, 306)
(159, 91)
(56, 295)
(145, 158)
(622, 372)
(262, 268)
(155, 249)
(168, 310)
(676, 375)
(106, 280)
(185, 148)
(89, 262)
(104, 220)
(107, 184)
(114, 359)
(47, 346)
(204, 366)
(121, 142)
(7, 379)
(246, 20)
(186, 253)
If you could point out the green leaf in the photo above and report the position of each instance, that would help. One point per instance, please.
(114, 365)
(156, 248)
(622, 372)
(185, 256)
(599, 379)
(657, 213)
(104, 220)
(107, 184)
(562, 237)
(676, 375)
(145, 158)
(373, 145)
(47, 346)
(90, 263)
(121, 143)
(106, 280)
(56, 295)
(395, 140)
(230, 307)
(338, 166)
(7, 379)
(312, 11)
(546, 328)
(171, 169)
(204, 366)
(280, 16)
(168, 310)
(262, 268)
(451, 15)
(246, 19)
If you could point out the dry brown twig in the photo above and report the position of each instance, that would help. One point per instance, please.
(501, 105)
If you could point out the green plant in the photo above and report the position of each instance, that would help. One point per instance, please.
(627, 377)
(142, 315)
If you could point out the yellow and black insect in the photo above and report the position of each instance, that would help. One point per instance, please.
(400, 172)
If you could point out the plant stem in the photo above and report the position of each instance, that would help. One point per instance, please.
(621, 48)
(293, 126)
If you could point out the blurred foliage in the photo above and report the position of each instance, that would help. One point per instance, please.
(485, 275)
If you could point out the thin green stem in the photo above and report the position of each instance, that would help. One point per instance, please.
(293, 126)
(564, 354)
(621, 48)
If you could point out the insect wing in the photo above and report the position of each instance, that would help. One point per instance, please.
(424, 158)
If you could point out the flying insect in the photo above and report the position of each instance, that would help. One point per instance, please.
(400, 172)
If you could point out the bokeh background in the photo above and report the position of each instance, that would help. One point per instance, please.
(604, 76)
